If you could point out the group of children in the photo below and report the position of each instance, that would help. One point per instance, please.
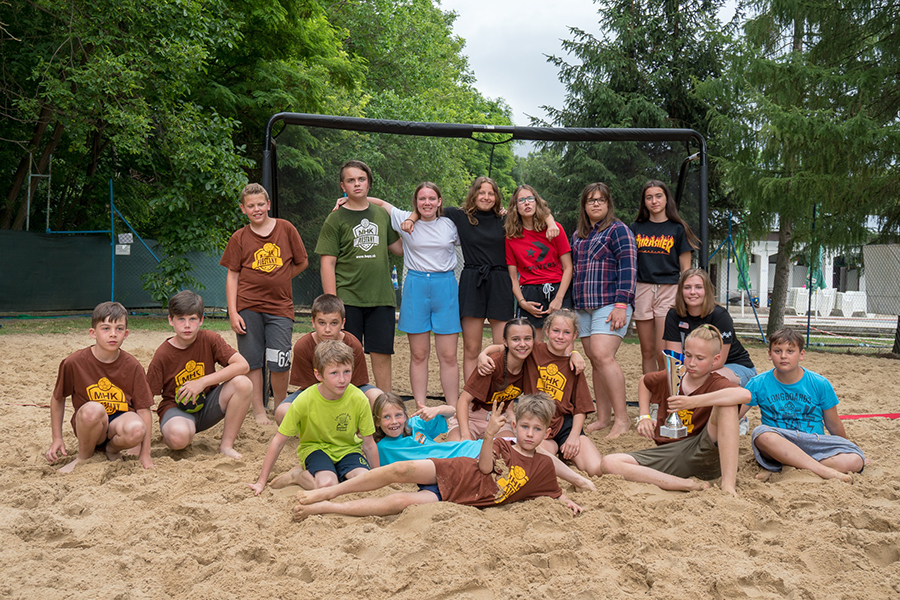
(524, 402)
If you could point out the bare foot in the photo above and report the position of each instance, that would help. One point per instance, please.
(618, 429)
(69, 467)
(230, 452)
(307, 497)
(111, 455)
(596, 426)
(731, 491)
(262, 419)
(292, 477)
(136, 451)
(835, 474)
(301, 511)
(764, 475)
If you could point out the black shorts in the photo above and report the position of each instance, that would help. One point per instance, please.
(319, 461)
(373, 326)
(486, 293)
(540, 293)
(564, 431)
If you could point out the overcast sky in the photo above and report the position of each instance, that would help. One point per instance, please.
(507, 42)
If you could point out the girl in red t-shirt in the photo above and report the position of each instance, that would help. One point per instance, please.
(540, 267)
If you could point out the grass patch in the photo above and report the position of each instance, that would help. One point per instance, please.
(144, 322)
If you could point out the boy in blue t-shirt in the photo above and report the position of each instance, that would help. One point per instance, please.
(796, 406)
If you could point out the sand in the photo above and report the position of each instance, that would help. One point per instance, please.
(192, 528)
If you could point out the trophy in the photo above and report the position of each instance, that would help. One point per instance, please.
(673, 427)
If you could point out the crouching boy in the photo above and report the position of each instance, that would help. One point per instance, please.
(796, 406)
(195, 396)
(708, 406)
(327, 418)
(501, 474)
(109, 393)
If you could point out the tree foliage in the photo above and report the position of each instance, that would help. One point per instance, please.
(639, 72)
(804, 124)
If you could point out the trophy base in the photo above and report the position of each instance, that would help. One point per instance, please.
(673, 433)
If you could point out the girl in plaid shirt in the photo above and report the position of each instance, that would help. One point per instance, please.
(605, 257)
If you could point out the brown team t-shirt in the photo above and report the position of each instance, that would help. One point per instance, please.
(120, 386)
(302, 362)
(172, 367)
(695, 420)
(496, 386)
(549, 373)
(517, 478)
(265, 264)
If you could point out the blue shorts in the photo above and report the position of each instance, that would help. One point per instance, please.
(819, 447)
(743, 373)
(430, 303)
(319, 461)
(593, 322)
(268, 340)
(431, 487)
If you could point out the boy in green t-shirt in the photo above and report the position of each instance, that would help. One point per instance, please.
(354, 243)
(327, 418)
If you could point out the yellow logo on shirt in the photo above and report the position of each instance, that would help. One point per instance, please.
(510, 393)
(663, 242)
(552, 381)
(687, 417)
(192, 370)
(511, 483)
(267, 258)
(111, 397)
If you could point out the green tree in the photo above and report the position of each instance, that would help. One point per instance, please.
(640, 72)
(814, 130)
(161, 97)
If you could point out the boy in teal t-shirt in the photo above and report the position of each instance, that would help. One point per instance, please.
(327, 419)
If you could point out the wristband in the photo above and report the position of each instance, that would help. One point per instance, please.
(642, 417)
(574, 352)
(408, 219)
(520, 300)
(621, 305)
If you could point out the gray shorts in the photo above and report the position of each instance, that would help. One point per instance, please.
(203, 419)
(819, 447)
(268, 340)
(696, 456)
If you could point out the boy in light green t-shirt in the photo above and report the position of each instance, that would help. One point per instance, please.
(327, 418)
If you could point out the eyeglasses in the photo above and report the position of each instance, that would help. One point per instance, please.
(596, 201)
(525, 200)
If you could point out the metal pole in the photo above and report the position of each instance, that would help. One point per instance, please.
(112, 244)
(809, 279)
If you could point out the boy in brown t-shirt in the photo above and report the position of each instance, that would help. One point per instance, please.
(328, 318)
(109, 393)
(503, 473)
(195, 396)
(708, 406)
(262, 258)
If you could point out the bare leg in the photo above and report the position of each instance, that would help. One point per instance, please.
(497, 330)
(589, 458)
(381, 369)
(473, 335)
(787, 453)
(729, 375)
(413, 471)
(178, 432)
(234, 400)
(91, 423)
(660, 343)
(445, 345)
(125, 432)
(609, 383)
(723, 429)
(388, 505)
(626, 466)
(300, 476)
(279, 382)
(646, 330)
(419, 351)
(256, 400)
